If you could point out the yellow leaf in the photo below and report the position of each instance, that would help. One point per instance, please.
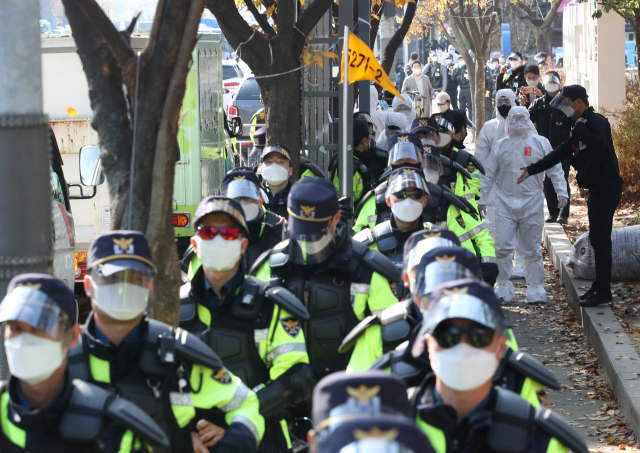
(374, 16)
(72, 112)
(318, 59)
(307, 58)
(329, 55)
(301, 2)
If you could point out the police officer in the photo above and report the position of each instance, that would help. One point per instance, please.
(340, 281)
(445, 137)
(457, 406)
(255, 329)
(376, 158)
(171, 374)
(363, 180)
(41, 408)
(258, 120)
(276, 170)
(368, 411)
(451, 68)
(512, 78)
(555, 126)
(590, 151)
(436, 73)
(462, 79)
(259, 142)
(266, 229)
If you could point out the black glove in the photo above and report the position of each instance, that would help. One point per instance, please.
(489, 273)
(345, 208)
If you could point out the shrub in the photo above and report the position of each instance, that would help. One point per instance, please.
(626, 137)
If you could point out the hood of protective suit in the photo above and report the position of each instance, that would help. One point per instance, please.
(505, 93)
(393, 119)
(518, 128)
(376, 115)
(406, 108)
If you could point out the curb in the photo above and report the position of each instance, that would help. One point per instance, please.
(620, 361)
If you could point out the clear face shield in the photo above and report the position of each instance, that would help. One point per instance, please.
(439, 272)
(463, 306)
(392, 130)
(375, 444)
(565, 105)
(36, 308)
(409, 181)
(122, 295)
(310, 248)
(445, 126)
(518, 124)
(404, 150)
(241, 188)
(432, 165)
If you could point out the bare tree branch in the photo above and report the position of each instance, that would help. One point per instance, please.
(398, 36)
(153, 36)
(260, 18)
(116, 42)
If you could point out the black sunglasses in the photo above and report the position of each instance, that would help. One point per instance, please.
(414, 194)
(448, 335)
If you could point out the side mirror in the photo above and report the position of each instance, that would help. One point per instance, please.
(91, 173)
(236, 126)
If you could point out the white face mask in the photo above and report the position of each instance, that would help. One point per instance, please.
(407, 210)
(417, 71)
(464, 367)
(532, 83)
(448, 61)
(463, 63)
(567, 111)
(251, 210)
(445, 139)
(427, 142)
(274, 174)
(219, 254)
(551, 87)
(33, 359)
(515, 64)
(443, 107)
(121, 301)
(439, 52)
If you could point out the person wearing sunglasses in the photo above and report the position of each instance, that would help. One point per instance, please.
(339, 280)
(253, 327)
(458, 406)
(555, 126)
(170, 373)
(266, 229)
(42, 408)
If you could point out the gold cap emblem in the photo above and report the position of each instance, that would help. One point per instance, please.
(307, 209)
(432, 235)
(31, 285)
(392, 434)
(423, 122)
(446, 258)
(123, 243)
(363, 393)
(409, 171)
(403, 138)
(239, 177)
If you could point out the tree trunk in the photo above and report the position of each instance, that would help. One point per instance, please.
(398, 37)
(543, 40)
(479, 94)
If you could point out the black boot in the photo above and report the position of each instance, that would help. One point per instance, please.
(551, 219)
(597, 298)
(587, 294)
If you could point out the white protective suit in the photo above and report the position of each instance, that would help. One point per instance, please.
(519, 213)
(404, 107)
(376, 115)
(393, 119)
(492, 131)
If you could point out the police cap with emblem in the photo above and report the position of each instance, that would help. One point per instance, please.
(312, 203)
(40, 300)
(445, 121)
(276, 148)
(424, 124)
(468, 299)
(259, 140)
(341, 396)
(360, 130)
(404, 146)
(120, 250)
(364, 116)
(378, 435)
(445, 264)
(515, 56)
(241, 182)
(421, 242)
(460, 119)
(223, 205)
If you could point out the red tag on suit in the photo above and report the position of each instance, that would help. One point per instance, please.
(527, 151)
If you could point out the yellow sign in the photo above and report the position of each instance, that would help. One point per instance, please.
(364, 66)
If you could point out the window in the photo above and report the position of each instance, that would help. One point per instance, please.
(228, 72)
(56, 188)
(249, 91)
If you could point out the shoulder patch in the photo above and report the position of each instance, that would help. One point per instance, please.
(460, 221)
(291, 326)
(222, 376)
(471, 168)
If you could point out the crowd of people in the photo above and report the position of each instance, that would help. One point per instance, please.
(300, 332)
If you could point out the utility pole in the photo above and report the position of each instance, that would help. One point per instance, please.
(25, 205)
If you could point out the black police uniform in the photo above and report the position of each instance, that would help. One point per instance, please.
(555, 126)
(513, 81)
(489, 85)
(590, 151)
(436, 73)
(452, 85)
(278, 202)
(464, 83)
(83, 418)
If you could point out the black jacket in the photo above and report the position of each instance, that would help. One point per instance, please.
(514, 81)
(550, 123)
(590, 151)
(452, 83)
(463, 82)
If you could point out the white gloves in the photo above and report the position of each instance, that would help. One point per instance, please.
(562, 202)
(482, 209)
